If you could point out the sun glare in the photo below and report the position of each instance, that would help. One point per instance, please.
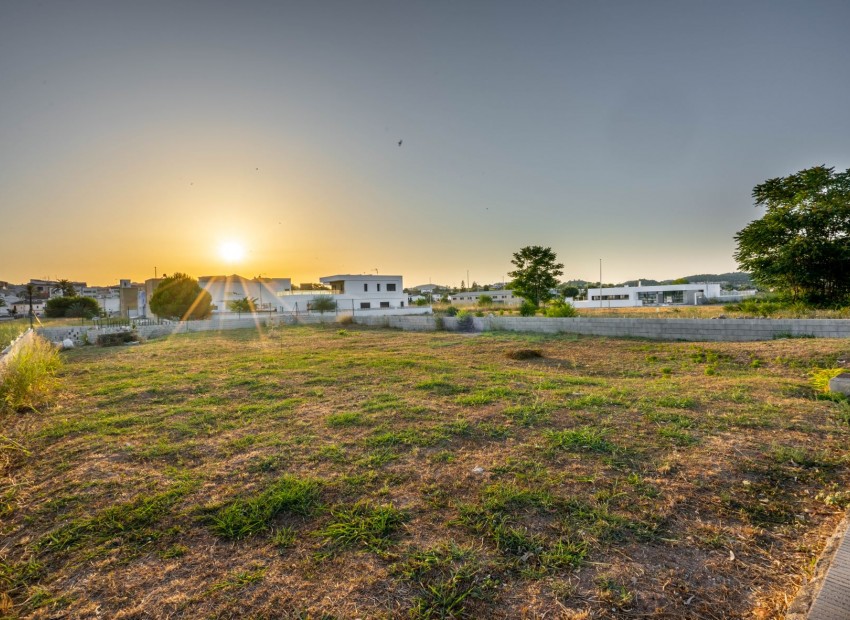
(231, 251)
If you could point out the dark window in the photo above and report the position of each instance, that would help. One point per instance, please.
(391, 288)
(365, 287)
(365, 305)
(402, 304)
(385, 304)
(379, 287)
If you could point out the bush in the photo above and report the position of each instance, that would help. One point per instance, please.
(464, 321)
(29, 377)
(451, 311)
(485, 300)
(322, 304)
(561, 309)
(527, 308)
(58, 307)
(118, 338)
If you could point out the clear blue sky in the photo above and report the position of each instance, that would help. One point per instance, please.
(144, 134)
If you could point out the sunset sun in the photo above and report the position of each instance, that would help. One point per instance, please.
(231, 251)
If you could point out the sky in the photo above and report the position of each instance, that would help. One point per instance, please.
(138, 137)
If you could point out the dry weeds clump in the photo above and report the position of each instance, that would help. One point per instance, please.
(27, 379)
(298, 473)
(524, 354)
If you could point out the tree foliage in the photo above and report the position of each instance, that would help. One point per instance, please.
(802, 243)
(536, 273)
(180, 297)
(246, 304)
(66, 288)
(322, 304)
(57, 307)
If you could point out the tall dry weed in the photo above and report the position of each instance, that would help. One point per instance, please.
(29, 377)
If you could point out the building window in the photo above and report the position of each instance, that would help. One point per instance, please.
(379, 287)
(385, 304)
(365, 305)
(391, 288)
(365, 287)
(402, 305)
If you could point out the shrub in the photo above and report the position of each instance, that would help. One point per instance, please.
(451, 311)
(527, 308)
(560, 309)
(29, 377)
(820, 377)
(322, 304)
(118, 338)
(464, 321)
(58, 307)
(485, 300)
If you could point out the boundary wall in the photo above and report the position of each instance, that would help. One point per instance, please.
(733, 330)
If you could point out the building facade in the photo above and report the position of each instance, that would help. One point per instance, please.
(659, 295)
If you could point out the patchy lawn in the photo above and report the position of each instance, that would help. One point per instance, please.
(312, 472)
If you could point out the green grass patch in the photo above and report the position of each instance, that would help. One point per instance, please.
(251, 515)
(363, 525)
(585, 439)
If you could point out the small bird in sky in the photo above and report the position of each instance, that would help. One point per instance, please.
(400, 141)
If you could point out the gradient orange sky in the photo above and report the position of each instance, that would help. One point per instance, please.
(136, 136)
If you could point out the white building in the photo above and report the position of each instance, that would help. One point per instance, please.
(502, 296)
(264, 291)
(351, 293)
(659, 295)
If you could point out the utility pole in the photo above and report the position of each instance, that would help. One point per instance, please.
(600, 282)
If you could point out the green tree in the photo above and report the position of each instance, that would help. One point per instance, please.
(801, 245)
(65, 287)
(57, 307)
(535, 274)
(568, 290)
(245, 304)
(485, 300)
(180, 297)
(322, 304)
(681, 281)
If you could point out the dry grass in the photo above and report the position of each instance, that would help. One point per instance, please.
(307, 473)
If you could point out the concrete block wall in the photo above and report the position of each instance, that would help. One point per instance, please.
(733, 330)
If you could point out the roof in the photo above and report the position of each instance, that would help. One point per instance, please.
(363, 276)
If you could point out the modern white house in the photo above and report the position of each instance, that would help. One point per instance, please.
(264, 291)
(352, 294)
(502, 296)
(659, 295)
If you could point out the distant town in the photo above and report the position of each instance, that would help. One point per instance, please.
(367, 292)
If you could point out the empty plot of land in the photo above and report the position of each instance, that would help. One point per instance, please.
(312, 472)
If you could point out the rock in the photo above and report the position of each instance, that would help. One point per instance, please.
(478, 470)
(67, 343)
(840, 384)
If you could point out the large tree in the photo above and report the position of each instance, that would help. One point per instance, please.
(181, 297)
(801, 245)
(536, 273)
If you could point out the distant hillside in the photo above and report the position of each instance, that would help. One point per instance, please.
(737, 278)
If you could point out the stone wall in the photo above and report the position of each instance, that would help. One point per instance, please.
(734, 330)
